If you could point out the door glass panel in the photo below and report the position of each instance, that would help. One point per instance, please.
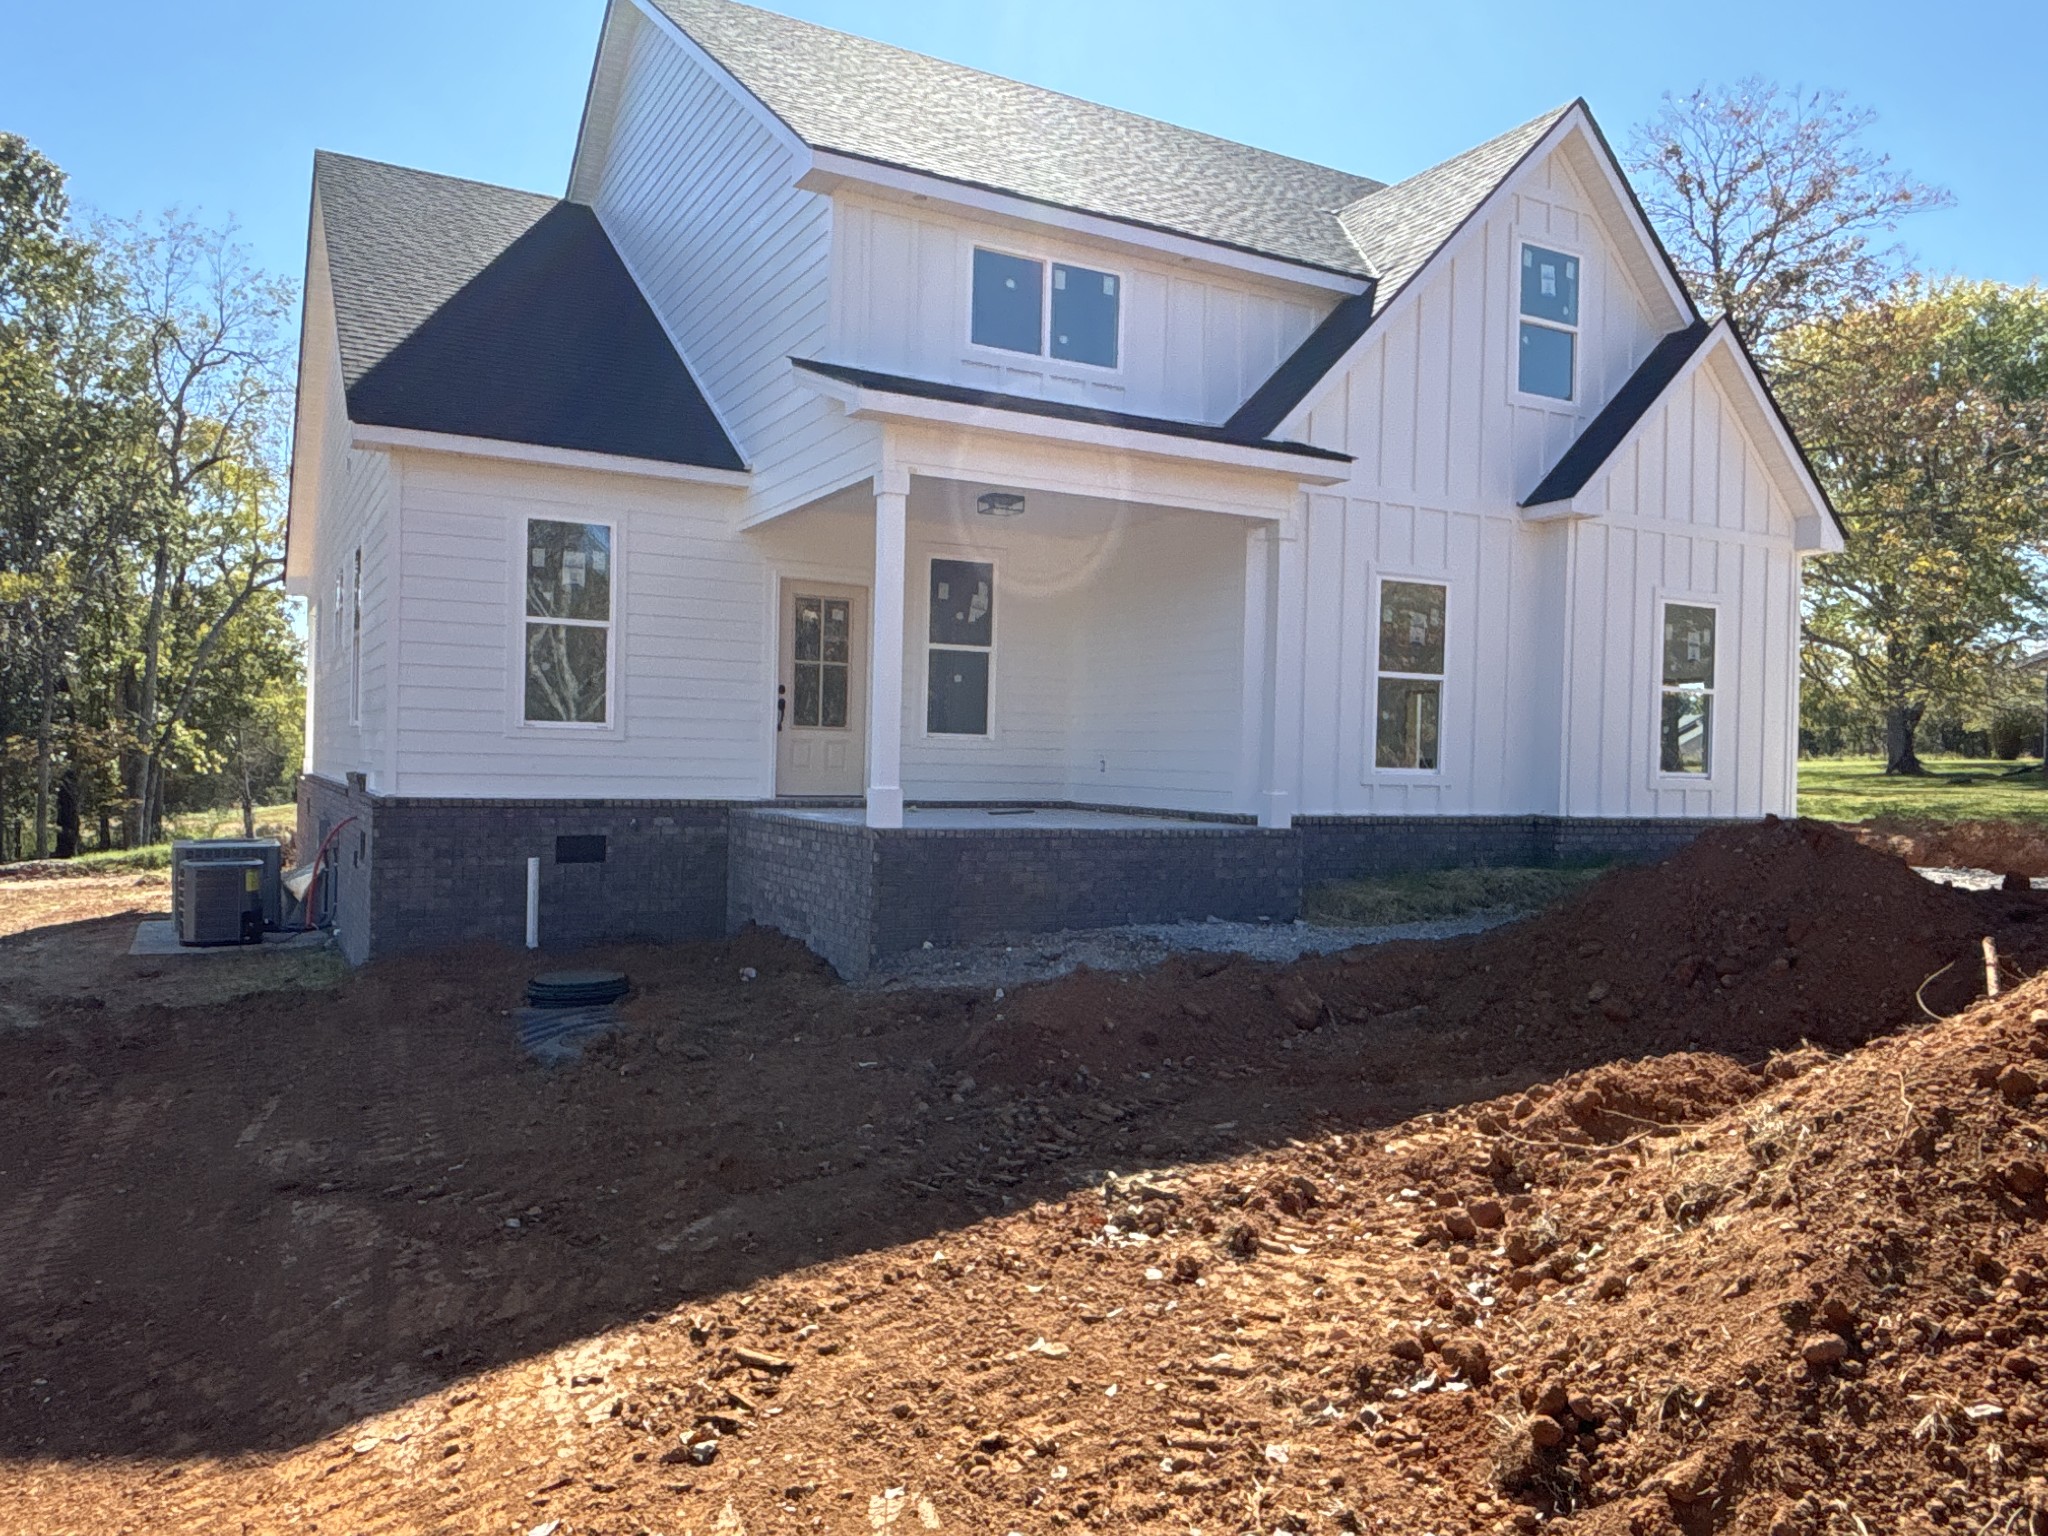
(833, 712)
(808, 693)
(809, 623)
(836, 629)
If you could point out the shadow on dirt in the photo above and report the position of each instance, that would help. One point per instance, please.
(238, 1227)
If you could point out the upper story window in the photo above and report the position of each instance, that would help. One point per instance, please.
(1547, 353)
(1015, 297)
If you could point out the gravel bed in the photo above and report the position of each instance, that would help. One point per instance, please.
(1009, 962)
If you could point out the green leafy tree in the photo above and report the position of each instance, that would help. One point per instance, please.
(1927, 416)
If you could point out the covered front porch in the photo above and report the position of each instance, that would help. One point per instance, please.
(1040, 627)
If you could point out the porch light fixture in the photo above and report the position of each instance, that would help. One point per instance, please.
(999, 504)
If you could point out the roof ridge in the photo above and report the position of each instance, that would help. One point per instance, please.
(1546, 119)
(320, 155)
(974, 69)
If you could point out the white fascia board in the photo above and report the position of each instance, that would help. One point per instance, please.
(1573, 120)
(600, 110)
(831, 171)
(300, 513)
(413, 440)
(859, 402)
(755, 106)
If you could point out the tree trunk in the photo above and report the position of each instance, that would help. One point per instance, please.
(1901, 721)
(248, 798)
(43, 765)
(146, 789)
(67, 812)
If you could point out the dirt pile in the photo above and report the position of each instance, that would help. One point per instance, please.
(1198, 1249)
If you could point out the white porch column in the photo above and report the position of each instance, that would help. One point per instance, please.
(1287, 577)
(885, 652)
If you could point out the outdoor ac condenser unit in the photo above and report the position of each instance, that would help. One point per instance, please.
(220, 901)
(213, 850)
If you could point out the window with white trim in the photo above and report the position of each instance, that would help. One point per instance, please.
(568, 622)
(355, 643)
(1686, 717)
(1053, 309)
(1547, 351)
(960, 648)
(1411, 675)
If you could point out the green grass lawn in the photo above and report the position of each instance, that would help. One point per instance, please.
(271, 821)
(1955, 789)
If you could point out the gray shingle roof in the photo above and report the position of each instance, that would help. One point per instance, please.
(1618, 417)
(1399, 228)
(868, 99)
(484, 312)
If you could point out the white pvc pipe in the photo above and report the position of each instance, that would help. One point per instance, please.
(533, 903)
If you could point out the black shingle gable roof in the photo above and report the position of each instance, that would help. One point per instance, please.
(1056, 410)
(1618, 417)
(485, 312)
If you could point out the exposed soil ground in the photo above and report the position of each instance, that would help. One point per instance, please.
(1555, 1226)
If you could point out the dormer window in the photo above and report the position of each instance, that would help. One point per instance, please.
(1014, 297)
(1547, 353)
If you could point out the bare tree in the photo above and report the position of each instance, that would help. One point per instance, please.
(1772, 204)
(216, 357)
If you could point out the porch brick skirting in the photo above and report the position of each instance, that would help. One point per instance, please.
(413, 874)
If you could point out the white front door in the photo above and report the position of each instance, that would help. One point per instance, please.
(821, 690)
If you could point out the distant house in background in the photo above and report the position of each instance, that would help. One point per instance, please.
(896, 503)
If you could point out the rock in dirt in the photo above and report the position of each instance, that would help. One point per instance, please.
(1466, 1355)
(1824, 1351)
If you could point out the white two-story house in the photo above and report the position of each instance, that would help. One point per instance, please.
(894, 503)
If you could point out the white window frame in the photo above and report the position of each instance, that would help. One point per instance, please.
(1046, 263)
(614, 705)
(1661, 599)
(927, 645)
(1516, 393)
(1374, 672)
(355, 643)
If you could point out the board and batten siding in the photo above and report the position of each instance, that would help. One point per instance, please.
(1192, 345)
(1550, 695)
(354, 507)
(699, 197)
(1688, 513)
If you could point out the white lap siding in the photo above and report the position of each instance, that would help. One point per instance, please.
(699, 197)
(689, 638)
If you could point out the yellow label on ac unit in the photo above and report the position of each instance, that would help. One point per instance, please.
(252, 879)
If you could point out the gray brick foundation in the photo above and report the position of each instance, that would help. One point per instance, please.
(417, 874)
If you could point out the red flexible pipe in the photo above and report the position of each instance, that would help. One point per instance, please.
(313, 885)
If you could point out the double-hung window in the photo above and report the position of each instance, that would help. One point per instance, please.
(1411, 675)
(962, 641)
(1686, 724)
(568, 622)
(1051, 309)
(1547, 351)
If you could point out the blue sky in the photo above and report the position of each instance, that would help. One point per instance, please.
(217, 105)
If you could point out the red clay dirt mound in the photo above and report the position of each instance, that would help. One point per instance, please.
(1751, 939)
(338, 1261)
